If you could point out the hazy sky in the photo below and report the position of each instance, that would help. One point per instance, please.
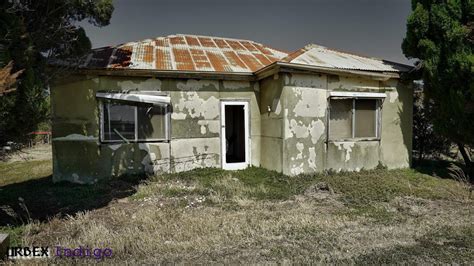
(369, 27)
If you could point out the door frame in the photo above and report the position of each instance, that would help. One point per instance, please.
(240, 165)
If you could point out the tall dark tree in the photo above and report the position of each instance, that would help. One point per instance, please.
(440, 34)
(31, 33)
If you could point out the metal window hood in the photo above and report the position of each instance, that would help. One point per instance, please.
(350, 94)
(143, 98)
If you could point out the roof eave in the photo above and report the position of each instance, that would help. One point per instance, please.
(288, 67)
(248, 76)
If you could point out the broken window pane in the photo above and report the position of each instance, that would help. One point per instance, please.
(152, 122)
(340, 124)
(119, 121)
(365, 118)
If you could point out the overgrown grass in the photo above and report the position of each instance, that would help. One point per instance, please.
(444, 245)
(255, 216)
(355, 188)
(252, 183)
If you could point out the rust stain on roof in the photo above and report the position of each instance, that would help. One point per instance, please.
(234, 60)
(200, 59)
(183, 59)
(187, 52)
(192, 41)
(218, 62)
(250, 61)
(214, 54)
(206, 42)
(163, 60)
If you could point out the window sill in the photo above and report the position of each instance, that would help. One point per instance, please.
(353, 140)
(134, 141)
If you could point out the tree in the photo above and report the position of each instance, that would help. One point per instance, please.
(426, 142)
(32, 32)
(8, 79)
(440, 35)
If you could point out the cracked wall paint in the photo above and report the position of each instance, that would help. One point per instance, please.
(145, 85)
(299, 130)
(312, 158)
(300, 148)
(347, 147)
(316, 130)
(193, 85)
(297, 169)
(309, 81)
(190, 104)
(209, 125)
(295, 129)
(188, 154)
(393, 96)
(311, 102)
(236, 85)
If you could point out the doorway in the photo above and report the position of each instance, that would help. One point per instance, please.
(235, 135)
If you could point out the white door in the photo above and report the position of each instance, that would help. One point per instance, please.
(235, 135)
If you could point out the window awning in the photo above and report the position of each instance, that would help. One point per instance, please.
(354, 94)
(143, 98)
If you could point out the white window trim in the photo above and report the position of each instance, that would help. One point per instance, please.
(378, 115)
(136, 139)
(350, 94)
(143, 98)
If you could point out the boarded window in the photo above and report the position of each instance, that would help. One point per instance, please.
(134, 121)
(353, 118)
(340, 126)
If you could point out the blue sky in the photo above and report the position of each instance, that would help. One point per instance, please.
(369, 27)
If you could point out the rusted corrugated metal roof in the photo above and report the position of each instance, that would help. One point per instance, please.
(187, 53)
(320, 56)
(213, 54)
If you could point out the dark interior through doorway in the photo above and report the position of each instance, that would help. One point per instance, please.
(235, 133)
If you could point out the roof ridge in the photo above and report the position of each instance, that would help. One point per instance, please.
(208, 36)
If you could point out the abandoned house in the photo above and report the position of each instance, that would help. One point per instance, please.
(180, 102)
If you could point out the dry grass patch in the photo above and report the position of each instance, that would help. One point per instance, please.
(259, 216)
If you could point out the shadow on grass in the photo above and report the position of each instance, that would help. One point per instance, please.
(44, 199)
(436, 168)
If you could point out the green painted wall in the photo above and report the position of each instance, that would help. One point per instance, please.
(288, 126)
(195, 126)
(306, 148)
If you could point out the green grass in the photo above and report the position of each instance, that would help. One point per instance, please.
(16, 172)
(15, 233)
(382, 186)
(356, 189)
(32, 182)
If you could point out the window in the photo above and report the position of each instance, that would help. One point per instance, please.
(354, 119)
(134, 121)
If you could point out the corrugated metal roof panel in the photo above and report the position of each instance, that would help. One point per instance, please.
(186, 52)
(214, 54)
(316, 55)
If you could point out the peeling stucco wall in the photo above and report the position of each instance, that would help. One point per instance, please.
(195, 127)
(288, 126)
(305, 117)
(304, 123)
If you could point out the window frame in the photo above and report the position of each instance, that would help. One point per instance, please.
(167, 138)
(378, 119)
